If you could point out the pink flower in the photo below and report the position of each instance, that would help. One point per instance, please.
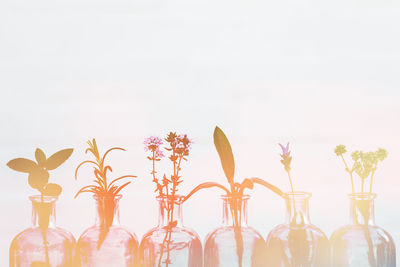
(153, 144)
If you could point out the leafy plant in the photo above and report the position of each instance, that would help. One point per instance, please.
(179, 147)
(103, 189)
(38, 178)
(38, 171)
(236, 190)
(364, 164)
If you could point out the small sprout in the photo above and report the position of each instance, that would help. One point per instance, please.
(38, 177)
(101, 186)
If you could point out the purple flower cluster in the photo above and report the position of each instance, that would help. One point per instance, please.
(153, 144)
(286, 158)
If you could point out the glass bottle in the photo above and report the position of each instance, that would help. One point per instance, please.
(234, 243)
(170, 244)
(362, 243)
(106, 243)
(44, 244)
(297, 242)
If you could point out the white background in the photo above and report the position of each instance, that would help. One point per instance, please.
(315, 73)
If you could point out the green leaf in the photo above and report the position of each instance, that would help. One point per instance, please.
(225, 153)
(58, 158)
(40, 157)
(38, 178)
(22, 165)
(52, 190)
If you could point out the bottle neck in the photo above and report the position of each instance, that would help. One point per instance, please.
(107, 210)
(170, 211)
(234, 211)
(297, 209)
(43, 211)
(362, 210)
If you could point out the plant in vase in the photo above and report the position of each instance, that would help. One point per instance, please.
(44, 244)
(362, 242)
(106, 243)
(297, 242)
(170, 243)
(234, 243)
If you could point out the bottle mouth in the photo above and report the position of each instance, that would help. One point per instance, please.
(226, 197)
(43, 199)
(113, 197)
(362, 196)
(297, 195)
(176, 198)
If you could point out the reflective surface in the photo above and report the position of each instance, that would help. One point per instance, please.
(170, 243)
(234, 243)
(362, 243)
(43, 244)
(107, 243)
(297, 242)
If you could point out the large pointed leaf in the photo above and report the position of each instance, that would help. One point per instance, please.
(225, 153)
(58, 158)
(22, 165)
(40, 157)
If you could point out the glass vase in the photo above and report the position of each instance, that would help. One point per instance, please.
(170, 244)
(106, 243)
(234, 243)
(362, 243)
(297, 242)
(44, 244)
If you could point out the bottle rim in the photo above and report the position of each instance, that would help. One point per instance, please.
(43, 199)
(297, 194)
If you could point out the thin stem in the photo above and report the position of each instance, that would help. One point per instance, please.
(372, 180)
(294, 203)
(350, 172)
(362, 185)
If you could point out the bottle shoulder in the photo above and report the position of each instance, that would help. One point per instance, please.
(117, 232)
(283, 231)
(228, 232)
(178, 234)
(359, 232)
(35, 235)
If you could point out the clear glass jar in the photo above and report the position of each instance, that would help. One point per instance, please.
(234, 243)
(362, 243)
(106, 243)
(297, 242)
(43, 244)
(170, 244)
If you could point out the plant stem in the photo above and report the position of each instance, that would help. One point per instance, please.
(372, 180)
(350, 172)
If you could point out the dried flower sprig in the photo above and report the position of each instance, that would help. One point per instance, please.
(39, 171)
(101, 187)
(179, 147)
(364, 164)
(286, 161)
(236, 191)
